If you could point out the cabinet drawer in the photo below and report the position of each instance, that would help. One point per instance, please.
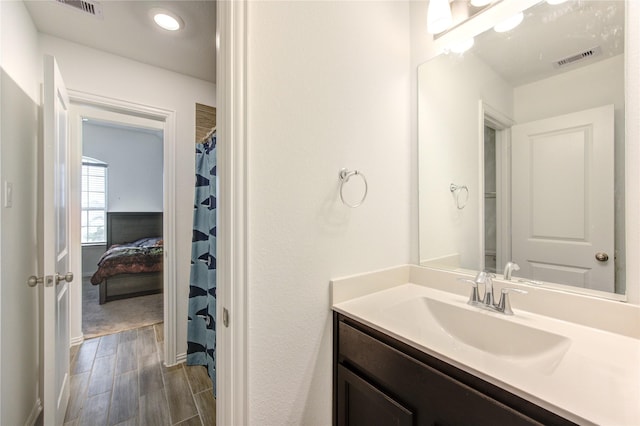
(433, 397)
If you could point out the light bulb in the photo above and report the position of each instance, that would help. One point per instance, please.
(459, 11)
(438, 16)
(167, 22)
(510, 23)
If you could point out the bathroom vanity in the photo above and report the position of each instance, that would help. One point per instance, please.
(409, 350)
(380, 380)
(500, 183)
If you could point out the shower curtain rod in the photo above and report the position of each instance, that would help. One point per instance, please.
(208, 135)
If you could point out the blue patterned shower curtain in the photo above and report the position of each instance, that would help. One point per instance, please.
(201, 333)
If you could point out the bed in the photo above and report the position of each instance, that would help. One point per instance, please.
(119, 275)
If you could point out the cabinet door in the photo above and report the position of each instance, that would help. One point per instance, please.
(360, 403)
(434, 396)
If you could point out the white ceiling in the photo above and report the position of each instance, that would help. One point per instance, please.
(549, 33)
(127, 29)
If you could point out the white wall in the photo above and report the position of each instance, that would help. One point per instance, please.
(540, 99)
(88, 70)
(450, 152)
(328, 86)
(19, 93)
(135, 164)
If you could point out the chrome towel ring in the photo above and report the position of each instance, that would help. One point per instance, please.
(344, 176)
(455, 190)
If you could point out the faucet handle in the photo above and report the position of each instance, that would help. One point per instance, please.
(473, 297)
(504, 305)
(508, 269)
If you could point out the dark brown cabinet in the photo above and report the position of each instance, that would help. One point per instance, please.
(381, 381)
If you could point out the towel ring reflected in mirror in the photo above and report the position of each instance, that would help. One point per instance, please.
(456, 190)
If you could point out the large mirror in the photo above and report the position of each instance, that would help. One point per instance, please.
(521, 145)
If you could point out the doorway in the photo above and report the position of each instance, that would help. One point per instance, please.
(495, 149)
(490, 200)
(121, 213)
(119, 117)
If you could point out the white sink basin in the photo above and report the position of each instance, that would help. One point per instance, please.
(469, 327)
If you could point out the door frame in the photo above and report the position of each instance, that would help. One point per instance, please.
(501, 123)
(168, 118)
(233, 168)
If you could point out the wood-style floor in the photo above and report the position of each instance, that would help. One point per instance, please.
(119, 379)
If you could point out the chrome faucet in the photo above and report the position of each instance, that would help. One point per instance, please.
(509, 268)
(486, 278)
(503, 306)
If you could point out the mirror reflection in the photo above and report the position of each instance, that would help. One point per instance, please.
(521, 144)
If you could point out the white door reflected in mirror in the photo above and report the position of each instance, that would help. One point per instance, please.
(534, 72)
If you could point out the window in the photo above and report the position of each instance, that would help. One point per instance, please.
(94, 201)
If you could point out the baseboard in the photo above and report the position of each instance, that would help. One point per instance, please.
(180, 358)
(77, 340)
(35, 413)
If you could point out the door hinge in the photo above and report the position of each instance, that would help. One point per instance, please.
(225, 317)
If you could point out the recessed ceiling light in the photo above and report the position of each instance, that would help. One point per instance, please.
(167, 20)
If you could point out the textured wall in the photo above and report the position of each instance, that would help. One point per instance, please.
(328, 87)
(20, 100)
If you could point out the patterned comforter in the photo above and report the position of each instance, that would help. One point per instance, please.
(144, 255)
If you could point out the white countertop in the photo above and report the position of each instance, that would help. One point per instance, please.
(596, 381)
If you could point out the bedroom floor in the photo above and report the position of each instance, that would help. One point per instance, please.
(118, 315)
(119, 379)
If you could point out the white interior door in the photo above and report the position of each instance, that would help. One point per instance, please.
(55, 204)
(563, 199)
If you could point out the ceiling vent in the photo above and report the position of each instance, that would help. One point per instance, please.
(582, 56)
(91, 7)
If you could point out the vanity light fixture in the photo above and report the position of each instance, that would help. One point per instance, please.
(509, 23)
(462, 46)
(459, 11)
(439, 16)
(167, 20)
